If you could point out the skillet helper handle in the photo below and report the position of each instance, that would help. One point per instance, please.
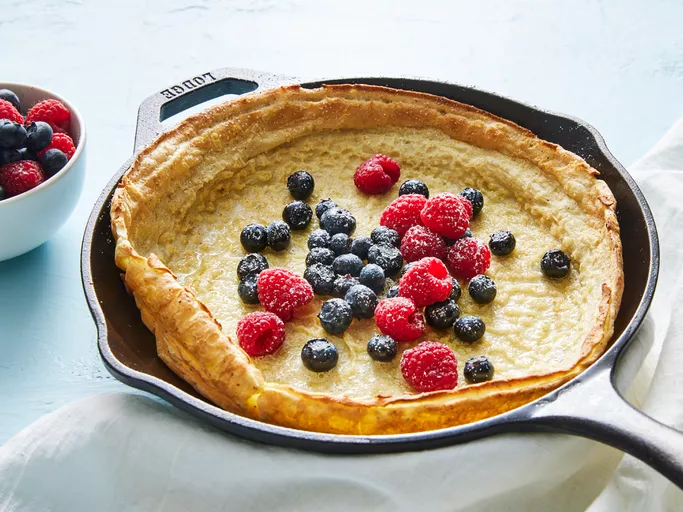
(194, 91)
(594, 409)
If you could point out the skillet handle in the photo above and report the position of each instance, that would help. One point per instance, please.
(594, 409)
(194, 91)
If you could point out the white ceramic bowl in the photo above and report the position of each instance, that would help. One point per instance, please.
(30, 219)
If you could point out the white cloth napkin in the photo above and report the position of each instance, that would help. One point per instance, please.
(129, 452)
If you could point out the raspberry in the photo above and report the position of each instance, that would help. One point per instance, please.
(260, 334)
(430, 366)
(468, 257)
(281, 291)
(21, 176)
(403, 213)
(399, 318)
(426, 282)
(467, 205)
(419, 242)
(447, 214)
(377, 174)
(9, 111)
(53, 112)
(389, 165)
(62, 142)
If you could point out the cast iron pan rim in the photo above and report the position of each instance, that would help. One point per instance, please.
(387, 443)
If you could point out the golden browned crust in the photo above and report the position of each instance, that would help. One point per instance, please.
(190, 340)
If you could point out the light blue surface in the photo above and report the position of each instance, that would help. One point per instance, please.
(616, 64)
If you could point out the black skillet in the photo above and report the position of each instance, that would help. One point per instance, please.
(591, 405)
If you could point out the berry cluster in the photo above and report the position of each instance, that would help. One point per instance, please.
(278, 290)
(34, 148)
(433, 237)
(296, 215)
(352, 270)
(436, 230)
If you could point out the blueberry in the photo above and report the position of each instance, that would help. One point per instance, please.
(468, 233)
(347, 264)
(53, 161)
(482, 289)
(413, 187)
(3, 194)
(12, 135)
(386, 236)
(298, 215)
(372, 276)
(323, 206)
(320, 255)
(360, 246)
(382, 348)
(478, 369)
(7, 95)
(393, 292)
(321, 278)
(38, 136)
(254, 238)
(469, 328)
(442, 315)
(337, 220)
(247, 289)
(340, 244)
(555, 263)
(278, 235)
(502, 243)
(387, 257)
(300, 185)
(251, 264)
(319, 355)
(406, 268)
(27, 154)
(319, 238)
(9, 155)
(363, 301)
(335, 316)
(456, 291)
(475, 197)
(342, 285)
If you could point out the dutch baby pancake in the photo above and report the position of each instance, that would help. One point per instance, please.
(363, 260)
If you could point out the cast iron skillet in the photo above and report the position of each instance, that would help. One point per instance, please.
(590, 405)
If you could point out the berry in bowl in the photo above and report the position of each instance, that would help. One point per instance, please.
(42, 138)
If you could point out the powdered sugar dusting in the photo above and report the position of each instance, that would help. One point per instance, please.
(399, 318)
(403, 213)
(468, 257)
(426, 282)
(420, 242)
(447, 214)
(282, 291)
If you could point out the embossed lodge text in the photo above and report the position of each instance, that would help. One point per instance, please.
(187, 85)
